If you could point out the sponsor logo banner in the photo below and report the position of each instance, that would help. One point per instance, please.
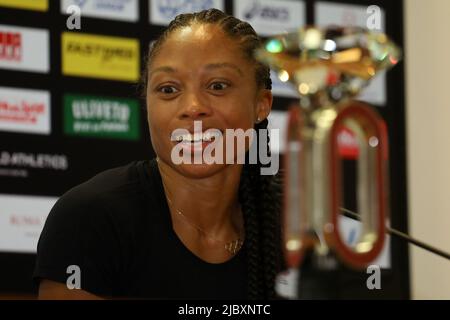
(17, 164)
(102, 57)
(123, 10)
(354, 15)
(38, 5)
(22, 219)
(163, 11)
(270, 17)
(101, 117)
(24, 49)
(328, 13)
(23, 110)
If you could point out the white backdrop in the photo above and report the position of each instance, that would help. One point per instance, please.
(428, 114)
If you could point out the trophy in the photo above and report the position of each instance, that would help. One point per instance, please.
(329, 67)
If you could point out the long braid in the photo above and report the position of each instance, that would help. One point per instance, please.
(249, 202)
(269, 202)
(259, 195)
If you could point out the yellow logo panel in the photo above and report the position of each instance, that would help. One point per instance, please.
(38, 5)
(103, 57)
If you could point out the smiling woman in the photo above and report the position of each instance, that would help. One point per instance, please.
(158, 229)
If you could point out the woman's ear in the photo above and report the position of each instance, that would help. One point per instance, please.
(263, 105)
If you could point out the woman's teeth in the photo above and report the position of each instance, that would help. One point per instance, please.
(196, 137)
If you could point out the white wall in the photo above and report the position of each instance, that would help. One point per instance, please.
(427, 46)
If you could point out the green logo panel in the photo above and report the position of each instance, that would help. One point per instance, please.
(101, 117)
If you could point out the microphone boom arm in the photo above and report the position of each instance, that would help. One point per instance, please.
(404, 236)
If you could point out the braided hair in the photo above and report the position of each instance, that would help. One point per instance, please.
(259, 195)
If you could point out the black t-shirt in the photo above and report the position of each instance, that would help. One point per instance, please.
(117, 229)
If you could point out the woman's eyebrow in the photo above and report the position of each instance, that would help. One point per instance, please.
(212, 66)
(162, 69)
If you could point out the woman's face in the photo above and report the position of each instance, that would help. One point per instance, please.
(200, 74)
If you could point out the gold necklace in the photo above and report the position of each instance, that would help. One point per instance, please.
(231, 246)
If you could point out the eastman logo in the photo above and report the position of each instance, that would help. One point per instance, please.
(103, 57)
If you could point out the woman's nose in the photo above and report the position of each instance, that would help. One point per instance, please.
(194, 107)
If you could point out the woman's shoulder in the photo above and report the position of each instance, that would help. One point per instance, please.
(113, 203)
(114, 190)
(110, 181)
(92, 226)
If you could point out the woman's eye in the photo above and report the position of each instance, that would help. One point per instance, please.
(167, 89)
(218, 86)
